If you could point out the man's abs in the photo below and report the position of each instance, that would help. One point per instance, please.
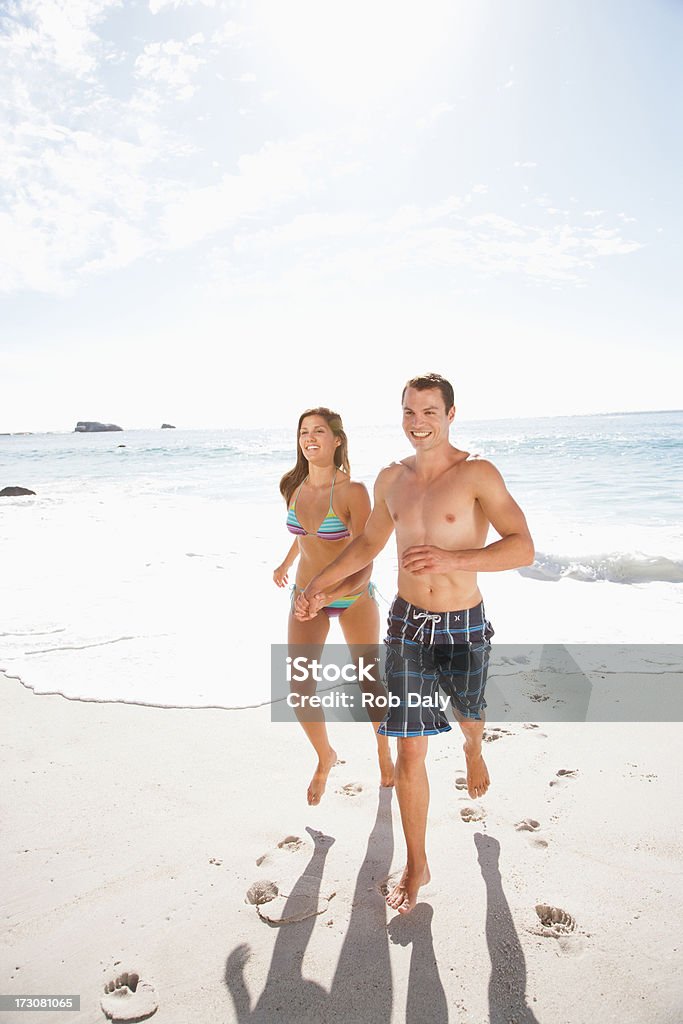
(440, 593)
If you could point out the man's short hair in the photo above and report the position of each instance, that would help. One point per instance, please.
(436, 381)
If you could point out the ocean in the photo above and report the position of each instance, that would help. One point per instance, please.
(143, 573)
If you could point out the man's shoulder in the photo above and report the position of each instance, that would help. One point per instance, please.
(481, 472)
(394, 469)
(478, 462)
(390, 473)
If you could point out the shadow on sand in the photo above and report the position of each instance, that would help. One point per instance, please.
(507, 983)
(361, 990)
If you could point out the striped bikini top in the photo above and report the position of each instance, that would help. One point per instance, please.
(331, 528)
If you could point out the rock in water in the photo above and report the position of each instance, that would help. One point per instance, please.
(14, 492)
(167, 426)
(92, 426)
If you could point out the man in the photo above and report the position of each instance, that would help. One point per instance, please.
(440, 502)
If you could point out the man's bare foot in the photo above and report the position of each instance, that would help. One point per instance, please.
(317, 784)
(403, 896)
(386, 769)
(478, 780)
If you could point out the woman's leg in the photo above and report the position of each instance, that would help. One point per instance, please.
(360, 626)
(309, 638)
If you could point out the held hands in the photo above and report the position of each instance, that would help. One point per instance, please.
(425, 558)
(307, 607)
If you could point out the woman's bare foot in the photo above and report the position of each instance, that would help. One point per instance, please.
(403, 896)
(478, 780)
(317, 784)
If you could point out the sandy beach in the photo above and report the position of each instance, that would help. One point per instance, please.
(132, 834)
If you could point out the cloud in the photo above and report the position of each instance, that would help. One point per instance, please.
(75, 198)
(58, 32)
(227, 33)
(172, 64)
(316, 252)
(525, 163)
(275, 174)
(102, 166)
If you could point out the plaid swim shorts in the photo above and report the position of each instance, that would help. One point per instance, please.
(429, 654)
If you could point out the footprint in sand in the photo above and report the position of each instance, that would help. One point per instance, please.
(473, 814)
(533, 826)
(291, 843)
(126, 998)
(528, 825)
(537, 732)
(495, 734)
(554, 921)
(461, 782)
(306, 900)
(288, 909)
(261, 892)
(563, 775)
(214, 860)
(351, 789)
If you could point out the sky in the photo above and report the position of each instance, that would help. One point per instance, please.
(216, 213)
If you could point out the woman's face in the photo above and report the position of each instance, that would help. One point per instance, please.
(317, 441)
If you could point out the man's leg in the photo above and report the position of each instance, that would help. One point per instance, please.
(464, 679)
(477, 773)
(412, 789)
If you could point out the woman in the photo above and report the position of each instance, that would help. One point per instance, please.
(325, 510)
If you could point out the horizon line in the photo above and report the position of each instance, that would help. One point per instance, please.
(493, 419)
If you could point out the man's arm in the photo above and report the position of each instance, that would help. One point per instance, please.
(356, 513)
(515, 548)
(360, 552)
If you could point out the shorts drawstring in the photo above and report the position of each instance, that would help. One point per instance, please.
(427, 616)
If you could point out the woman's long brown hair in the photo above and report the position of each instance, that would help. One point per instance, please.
(298, 474)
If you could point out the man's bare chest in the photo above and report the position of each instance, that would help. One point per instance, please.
(442, 503)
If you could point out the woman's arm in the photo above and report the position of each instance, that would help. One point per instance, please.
(280, 574)
(349, 585)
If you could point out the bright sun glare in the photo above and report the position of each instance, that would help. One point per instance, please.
(358, 50)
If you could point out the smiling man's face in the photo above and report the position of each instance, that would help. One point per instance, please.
(426, 420)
